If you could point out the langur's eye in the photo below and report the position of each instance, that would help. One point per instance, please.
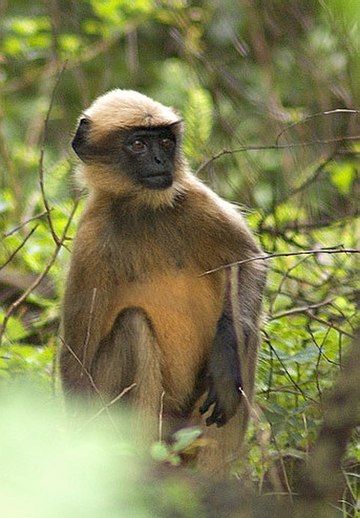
(167, 143)
(138, 146)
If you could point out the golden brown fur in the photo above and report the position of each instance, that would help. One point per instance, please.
(136, 308)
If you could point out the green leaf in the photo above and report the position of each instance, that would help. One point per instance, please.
(198, 118)
(185, 437)
(70, 43)
(160, 451)
(342, 175)
(14, 329)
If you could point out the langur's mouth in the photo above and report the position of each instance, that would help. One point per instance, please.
(157, 182)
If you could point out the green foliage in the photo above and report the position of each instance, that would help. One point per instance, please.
(198, 118)
(27, 37)
(185, 442)
(343, 176)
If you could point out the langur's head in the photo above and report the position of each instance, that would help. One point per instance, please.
(131, 145)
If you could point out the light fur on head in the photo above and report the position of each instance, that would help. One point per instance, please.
(128, 109)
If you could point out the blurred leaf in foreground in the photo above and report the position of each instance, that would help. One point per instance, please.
(52, 469)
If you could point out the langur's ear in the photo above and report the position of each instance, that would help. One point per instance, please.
(80, 142)
(178, 128)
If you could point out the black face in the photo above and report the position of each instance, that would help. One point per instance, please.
(150, 155)
(146, 155)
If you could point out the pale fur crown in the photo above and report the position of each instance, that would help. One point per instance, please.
(128, 109)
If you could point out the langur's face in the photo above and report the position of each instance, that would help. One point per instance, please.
(145, 155)
(148, 156)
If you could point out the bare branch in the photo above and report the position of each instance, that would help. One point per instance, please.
(104, 404)
(329, 324)
(299, 226)
(19, 227)
(108, 405)
(41, 161)
(314, 116)
(288, 374)
(161, 415)
(13, 254)
(88, 330)
(244, 149)
(285, 254)
(301, 309)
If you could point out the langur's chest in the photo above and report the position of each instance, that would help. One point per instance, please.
(177, 303)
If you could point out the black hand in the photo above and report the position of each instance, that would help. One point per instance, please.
(224, 375)
(224, 401)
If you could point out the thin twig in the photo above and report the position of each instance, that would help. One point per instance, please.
(328, 324)
(161, 415)
(108, 405)
(287, 373)
(298, 226)
(283, 280)
(308, 181)
(301, 309)
(92, 383)
(88, 330)
(19, 227)
(244, 149)
(88, 374)
(284, 254)
(314, 116)
(13, 254)
(41, 161)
